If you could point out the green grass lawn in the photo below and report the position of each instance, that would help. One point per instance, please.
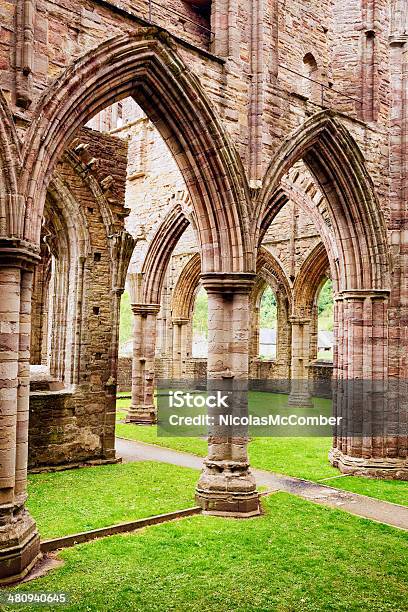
(79, 500)
(297, 557)
(299, 457)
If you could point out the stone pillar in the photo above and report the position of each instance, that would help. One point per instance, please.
(23, 396)
(179, 348)
(226, 486)
(371, 406)
(254, 324)
(19, 540)
(111, 384)
(299, 390)
(143, 410)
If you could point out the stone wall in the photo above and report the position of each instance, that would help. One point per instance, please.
(72, 401)
(124, 374)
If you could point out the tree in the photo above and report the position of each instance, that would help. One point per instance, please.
(200, 315)
(325, 306)
(268, 310)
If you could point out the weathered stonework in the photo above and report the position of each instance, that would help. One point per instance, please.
(156, 184)
(73, 395)
(241, 93)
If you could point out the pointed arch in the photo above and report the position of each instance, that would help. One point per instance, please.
(313, 271)
(11, 206)
(71, 215)
(159, 253)
(86, 176)
(269, 271)
(186, 289)
(336, 163)
(145, 65)
(162, 246)
(316, 208)
(270, 268)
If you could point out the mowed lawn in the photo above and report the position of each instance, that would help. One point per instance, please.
(305, 458)
(296, 557)
(71, 501)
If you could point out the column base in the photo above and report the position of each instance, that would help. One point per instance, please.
(142, 415)
(19, 547)
(227, 489)
(381, 467)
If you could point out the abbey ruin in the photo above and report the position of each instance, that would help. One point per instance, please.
(218, 146)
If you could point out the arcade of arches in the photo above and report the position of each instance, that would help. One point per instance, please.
(255, 151)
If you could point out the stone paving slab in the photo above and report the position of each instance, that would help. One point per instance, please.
(360, 505)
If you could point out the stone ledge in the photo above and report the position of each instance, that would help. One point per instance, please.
(88, 536)
(72, 466)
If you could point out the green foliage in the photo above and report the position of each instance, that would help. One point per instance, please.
(125, 328)
(325, 307)
(268, 310)
(325, 296)
(200, 315)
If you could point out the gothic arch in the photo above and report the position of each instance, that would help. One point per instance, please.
(309, 280)
(270, 274)
(10, 203)
(186, 289)
(268, 268)
(160, 250)
(71, 246)
(91, 181)
(336, 163)
(302, 191)
(72, 214)
(145, 65)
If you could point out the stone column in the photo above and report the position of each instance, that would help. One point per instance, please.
(371, 407)
(254, 323)
(143, 410)
(23, 396)
(111, 383)
(226, 486)
(299, 390)
(19, 540)
(179, 348)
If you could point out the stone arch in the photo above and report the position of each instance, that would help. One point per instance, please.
(313, 273)
(337, 165)
(71, 246)
(309, 280)
(158, 255)
(268, 265)
(271, 274)
(302, 190)
(73, 215)
(92, 182)
(186, 289)
(145, 65)
(268, 268)
(11, 206)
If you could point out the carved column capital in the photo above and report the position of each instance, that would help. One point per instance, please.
(296, 320)
(228, 282)
(18, 254)
(180, 321)
(362, 294)
(145, 309)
